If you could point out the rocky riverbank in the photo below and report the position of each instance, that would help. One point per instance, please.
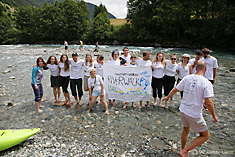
(130, 132)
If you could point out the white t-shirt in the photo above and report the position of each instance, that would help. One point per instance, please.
(131, 65)
(62, 72)
(191, 61)
(114, 62)
(66, 43)
(158, 70)
(128, 58)
(211, 63)
(99, 68)
(195, 88)
(96, 83)
(54, 69)
(142, 62)
(86, 67)
(170, 69)
(76, 69)
(183, 71)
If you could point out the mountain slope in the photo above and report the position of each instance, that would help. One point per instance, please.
(40, 3)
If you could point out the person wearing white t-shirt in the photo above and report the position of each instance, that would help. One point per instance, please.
(114, 61)
(197, 89)
(52, 64)
(145, 62)
(89, 63)
(131, 64)
(64, 74)
(211, 65)
(76, 73)
(96, 89)
(157, 77)
(183, 69)
(169, 77)
(126, 56)
(194, 61)
(99, 65)
(66, 45)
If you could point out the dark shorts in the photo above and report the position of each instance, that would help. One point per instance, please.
(66, 47)
(212, 81)
(38, 93)
(55, 81)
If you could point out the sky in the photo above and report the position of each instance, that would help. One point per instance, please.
(116, 7)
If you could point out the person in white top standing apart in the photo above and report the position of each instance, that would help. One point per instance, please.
(195, 60)
(126, 55)
(76, 78)
(196, 89)
(96, 89)
(157, 77)
(183, 69)
(211, 65)
(114, 61)
(169, 77)
(66, 45)
(145, 62)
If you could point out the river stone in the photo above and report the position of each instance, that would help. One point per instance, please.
(6, 71)
(224, 105)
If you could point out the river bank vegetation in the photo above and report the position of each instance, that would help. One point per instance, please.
(166, 23)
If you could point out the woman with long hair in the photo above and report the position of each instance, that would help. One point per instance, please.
(64, 74)
(157, 77)
(37, 75)
(52, 64)
(183, 69)
(169, 77)
(89, 63)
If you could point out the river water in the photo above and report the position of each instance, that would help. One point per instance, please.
(68, 132)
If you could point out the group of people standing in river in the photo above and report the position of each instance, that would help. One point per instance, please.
(75, 71)
(196, 89)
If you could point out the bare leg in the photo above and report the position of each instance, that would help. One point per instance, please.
(55, 94)
(110, 102)
(125, 104)
(102, 100)
(80, 101)
(40, 103)
(76, 99)
(38, 106)
(160, 101)
(91, 102)
(204, 136)
(148, 105)
(184, 137)
(65, 98)
(133, 104)
(166, 104)
(171, 100)
(58, 92)
(155, 102)
(68, 98)
(140, 105)
(114, 103)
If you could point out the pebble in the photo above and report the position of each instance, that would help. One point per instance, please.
(6, 71)
(12, 77)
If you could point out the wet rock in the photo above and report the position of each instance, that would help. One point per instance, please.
(232, 70)
(224, 105)
(6, 71)
(12, 77)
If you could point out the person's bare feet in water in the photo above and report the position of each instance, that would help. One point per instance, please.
(39, 111)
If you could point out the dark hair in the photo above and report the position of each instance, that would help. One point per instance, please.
(114, 51)
(125, 48)
(40, 58)
(145, 53)
(66, 64)
(101, 57)
(206, 51)
(198, 52)
(133, 56)
(49, 60)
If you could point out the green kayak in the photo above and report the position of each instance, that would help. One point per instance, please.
(10, 138)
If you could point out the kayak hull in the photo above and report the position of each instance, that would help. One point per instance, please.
(10, 138)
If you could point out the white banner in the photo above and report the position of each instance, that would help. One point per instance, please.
(128, 84)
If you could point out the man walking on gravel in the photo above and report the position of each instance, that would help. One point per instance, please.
(196, 89)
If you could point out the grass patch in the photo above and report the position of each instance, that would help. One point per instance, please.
(119, 22)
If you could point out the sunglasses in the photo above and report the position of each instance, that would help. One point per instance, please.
(173, 58)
